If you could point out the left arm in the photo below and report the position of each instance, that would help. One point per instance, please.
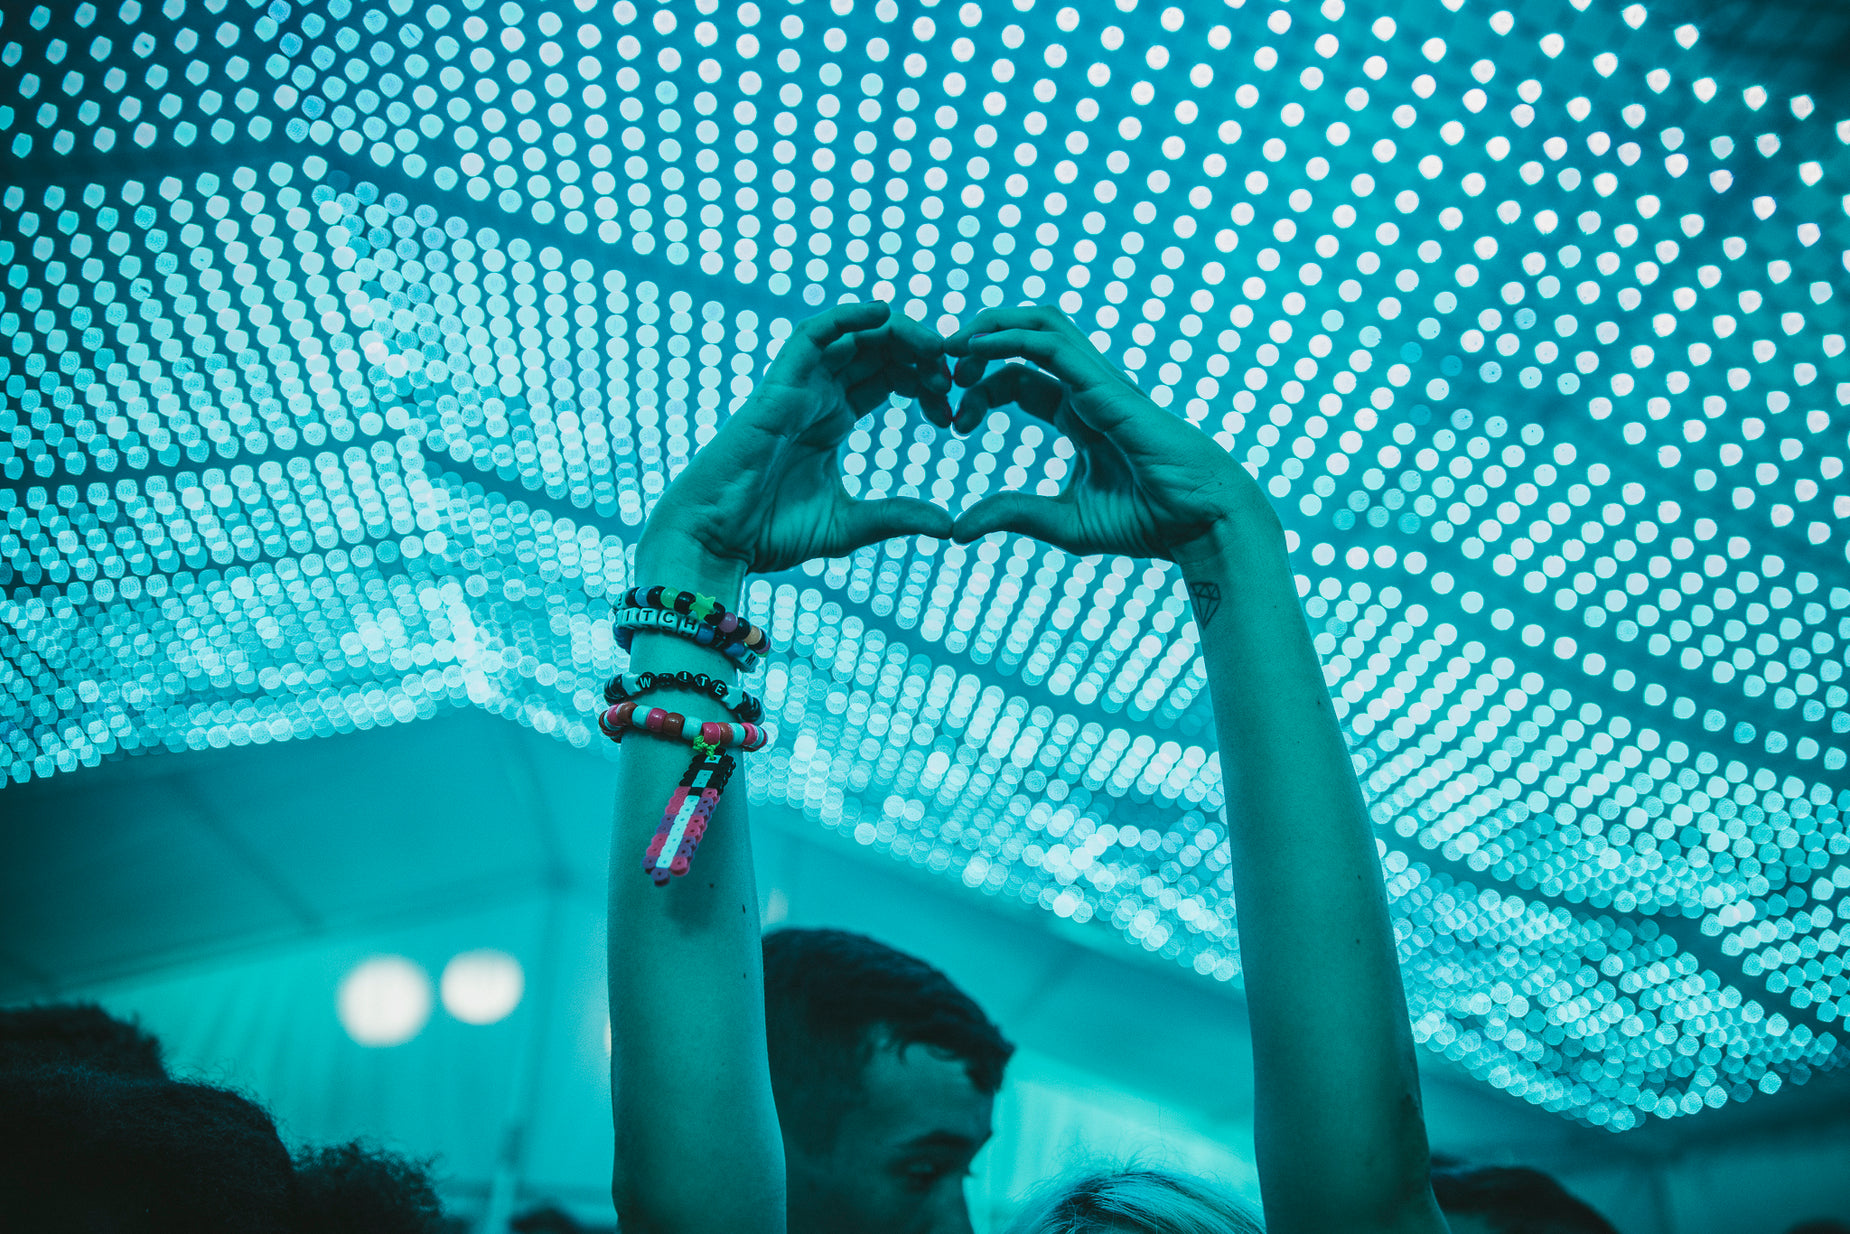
(699, 1149)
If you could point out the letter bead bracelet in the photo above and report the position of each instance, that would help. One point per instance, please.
(704, 609)
(705, 621)
(668, 621)
(627, 686)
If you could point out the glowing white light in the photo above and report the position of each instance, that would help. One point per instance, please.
(482, 987)
(384, 1001)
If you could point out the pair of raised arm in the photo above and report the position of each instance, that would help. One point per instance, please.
(1340, 1137)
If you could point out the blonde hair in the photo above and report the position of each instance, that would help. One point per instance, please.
(1135, 1201)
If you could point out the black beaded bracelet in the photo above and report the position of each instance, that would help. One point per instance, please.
(627, 686)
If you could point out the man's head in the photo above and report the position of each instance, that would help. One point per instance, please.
(885, 1075)
(356, 1186)
(1512, 1200)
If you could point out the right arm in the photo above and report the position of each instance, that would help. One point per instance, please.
(1337, 1123)
(1338, 1129)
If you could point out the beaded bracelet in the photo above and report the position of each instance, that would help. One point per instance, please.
(623, 717)
(670, 622)
(691, 805)
(626, 686)
(704, 608)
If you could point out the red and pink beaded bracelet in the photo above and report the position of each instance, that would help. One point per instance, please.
(622, 717)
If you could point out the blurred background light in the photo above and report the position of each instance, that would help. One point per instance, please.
(384, 1001)
(482, 987)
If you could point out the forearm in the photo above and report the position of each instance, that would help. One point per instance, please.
(697, 1137)
(1339, 1131)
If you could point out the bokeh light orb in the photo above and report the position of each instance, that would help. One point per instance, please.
(384, 1001)
(482, 987)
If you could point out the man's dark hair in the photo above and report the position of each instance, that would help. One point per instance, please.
(1516, 1200)
(1823, 1225)
(832, 997)
(80, 1033)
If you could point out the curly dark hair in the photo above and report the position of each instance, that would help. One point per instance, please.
(357, 1186)
(94, 1134)
(831, 997)
(89, 1149)
(78, 1033)
(1516, 1200)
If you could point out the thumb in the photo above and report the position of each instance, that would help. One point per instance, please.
(1039, 518)
(869, 522)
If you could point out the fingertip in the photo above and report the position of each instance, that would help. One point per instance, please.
(865, 315)
(973, 525)
(913, 517)
(968, 416)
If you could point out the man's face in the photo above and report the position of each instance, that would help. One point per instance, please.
(898, 1162)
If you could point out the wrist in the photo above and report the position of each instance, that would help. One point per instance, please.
(1235, 544)
(667, 557)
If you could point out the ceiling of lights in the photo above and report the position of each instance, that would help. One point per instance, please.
(346, 347)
